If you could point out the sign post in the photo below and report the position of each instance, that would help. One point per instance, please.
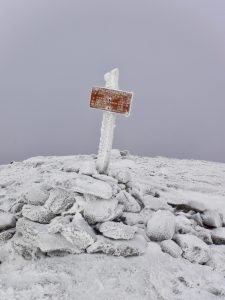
(112, 101)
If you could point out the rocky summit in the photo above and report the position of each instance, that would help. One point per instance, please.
(61, 207)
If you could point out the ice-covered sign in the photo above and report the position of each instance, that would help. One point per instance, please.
(111, 100)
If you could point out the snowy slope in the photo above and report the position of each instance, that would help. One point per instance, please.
(157, 189)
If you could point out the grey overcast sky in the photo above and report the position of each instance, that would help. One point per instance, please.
(171, 54)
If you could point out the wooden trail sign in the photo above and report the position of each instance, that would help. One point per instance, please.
(112, 101)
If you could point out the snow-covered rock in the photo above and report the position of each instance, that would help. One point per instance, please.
(36, 196)
(155, 203)
(129, 202)
(123, 176)
(203, 233)
(212, 218)
(7, 221)
(48, 243)
(132, 247)
(146, 214)
(87, 185)
(161, 226)
(88, 168)
(79, 233)
(60, 200)
(38, 214)
(218, 236)
(7, 234)
(194, 249)
(197, 218)
(130, 218)
(117, 230)
(171, 248)
(183, 224)
(100, 210)
(78, 206)
(58, 223)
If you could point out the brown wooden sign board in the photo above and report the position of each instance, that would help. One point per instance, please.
(111, 100)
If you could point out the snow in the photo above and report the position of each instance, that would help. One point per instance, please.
(189, 190)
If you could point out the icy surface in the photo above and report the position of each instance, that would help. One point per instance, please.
(186, 189)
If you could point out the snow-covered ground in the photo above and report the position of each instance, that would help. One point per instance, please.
(159, 223)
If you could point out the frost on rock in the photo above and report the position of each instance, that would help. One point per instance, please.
(38, 214)
(203, 234)
(48, 243)
(78, 206)
(155, 203)
(130, 218)
(88, 168)
(161, 226)
(218, 236)
(212, 218)
(100, 210)
(146, 215)
(171, 248)
(7, 221)
(79, 232)
(194, 249)
(123, 176)
(136, 246)
(129, 202)
(58, 223)
(117, 230)
(87, 185)
(36, 196)
(60, 200)
(184, 224)
(7, 234)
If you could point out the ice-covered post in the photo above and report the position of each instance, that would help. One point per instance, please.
(112, 101)
(108, 125)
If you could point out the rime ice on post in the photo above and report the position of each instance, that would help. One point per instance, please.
(112, 101)
(108, 125)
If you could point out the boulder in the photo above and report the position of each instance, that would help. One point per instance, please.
(161, 226)
(60, 200)
(36, 196)
(155, 203)
(218, 236)
(171, 248)
(79, 233)
(88, 168)
(134, 247)
(38, 214)
(117, 230)
(129, 202)
(194, 249)
(87, 185)
(100, 210)
(212, 218)
(7, 221)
